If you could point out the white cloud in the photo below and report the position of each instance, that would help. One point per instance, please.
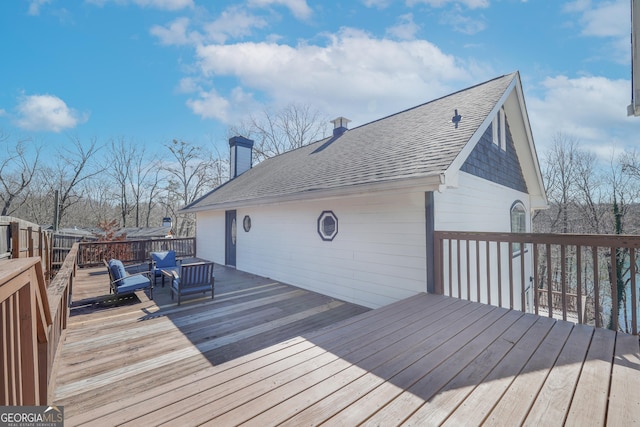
(380, 4)
(154, 4)
(175, 33)
(188, 85)
(299, 8)
(462, 23)
(593, 109)
(607, 19)
(35, 5)
(210, 105)
(233, 23)
(406, 29)
(471, 4)
(46, 113)
(368, 77)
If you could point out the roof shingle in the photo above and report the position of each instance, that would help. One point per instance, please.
(415, 143)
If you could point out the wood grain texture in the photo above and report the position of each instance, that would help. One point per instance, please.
(265, 353)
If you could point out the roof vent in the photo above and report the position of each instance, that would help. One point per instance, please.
(339, 126)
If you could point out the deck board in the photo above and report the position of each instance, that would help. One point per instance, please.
(521, 394)
(473, 393)
(624, 404)
(266, 353)
(589, 403)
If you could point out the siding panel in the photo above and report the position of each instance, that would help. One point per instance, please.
(377, 257)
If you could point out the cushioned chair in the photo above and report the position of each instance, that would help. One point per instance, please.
(160, 260)
(193, 279)
(121, 282)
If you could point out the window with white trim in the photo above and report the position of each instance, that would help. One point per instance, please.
(498, 128)
(327, 225)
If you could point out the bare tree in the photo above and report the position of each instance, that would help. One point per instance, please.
(17, 170)
(73, 171)
(560, 176)
(191, 173)
(153, 183)
(122, 156)
(276, 132)
(588, 184)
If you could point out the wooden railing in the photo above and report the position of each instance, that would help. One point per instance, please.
(568, 271)
(22, 239)
(33, 318)
(62, 244)
(133, 251)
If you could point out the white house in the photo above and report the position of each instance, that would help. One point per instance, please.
(352, 216)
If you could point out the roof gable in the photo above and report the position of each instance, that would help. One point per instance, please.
(493, 163)
(418, 144)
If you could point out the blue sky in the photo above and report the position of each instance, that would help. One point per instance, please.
(150, 71)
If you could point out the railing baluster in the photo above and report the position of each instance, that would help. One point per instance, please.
(614, 288)
(499, 256)
(596, 286)
(536, 277)
(634, 297)
(478, 270)
(450, 268)
(579, 280)
(488, 257)
(523, 304)
(510, 258)
(549, 284)
(468, 271)
(563, 280)
(459, 270)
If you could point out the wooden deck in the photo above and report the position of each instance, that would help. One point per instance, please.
(264, 353)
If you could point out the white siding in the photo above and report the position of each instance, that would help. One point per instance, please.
(480, 205)
(477, 205)
(379, 254)
(377, 257)
(210, 236)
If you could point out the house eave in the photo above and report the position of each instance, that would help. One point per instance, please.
(431, 182)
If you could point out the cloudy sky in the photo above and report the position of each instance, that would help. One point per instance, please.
(154, 70)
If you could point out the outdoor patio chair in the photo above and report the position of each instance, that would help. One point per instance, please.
(121, 282)
(160, 260)
(193, 279)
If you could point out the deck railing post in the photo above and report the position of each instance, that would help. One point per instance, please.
(437, 264)
(30, 248)
(15, 239)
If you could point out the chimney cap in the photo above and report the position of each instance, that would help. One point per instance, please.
(340, 122)
(241, 141)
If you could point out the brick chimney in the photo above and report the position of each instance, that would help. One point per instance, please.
(241, 157)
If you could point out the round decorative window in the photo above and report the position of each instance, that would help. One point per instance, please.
(327, 225)
(246, 223)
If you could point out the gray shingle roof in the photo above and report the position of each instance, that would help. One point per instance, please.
(415, 143)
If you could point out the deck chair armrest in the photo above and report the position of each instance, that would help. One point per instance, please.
(143, 273)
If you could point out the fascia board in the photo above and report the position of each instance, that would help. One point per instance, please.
(431, 182)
